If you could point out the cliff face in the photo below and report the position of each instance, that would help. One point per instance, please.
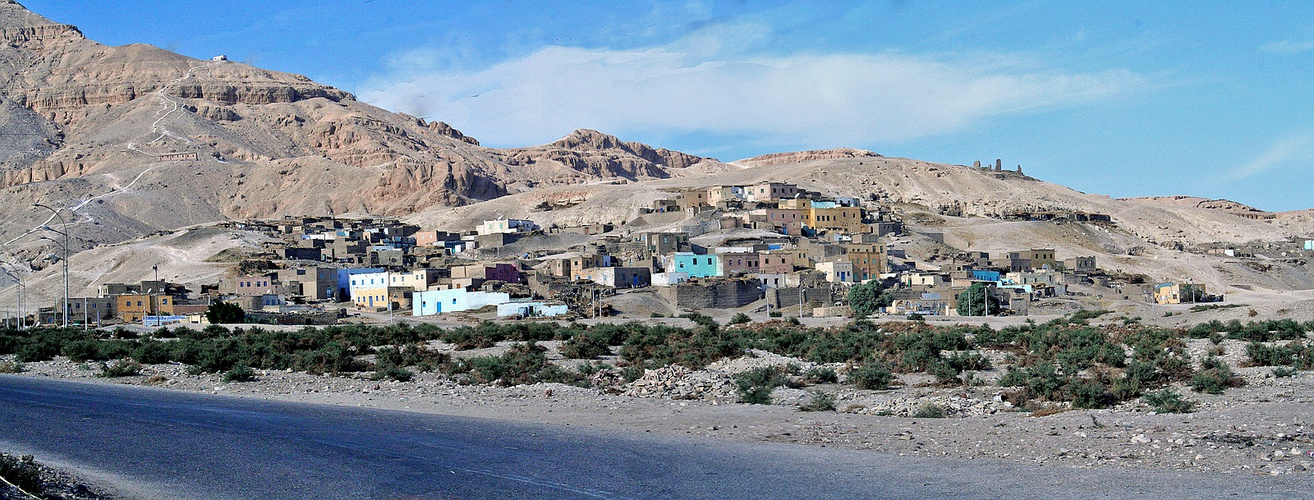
(132, 126)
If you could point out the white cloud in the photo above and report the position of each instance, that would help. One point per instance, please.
(1293, 148)
(834, 99)
(1288, 46)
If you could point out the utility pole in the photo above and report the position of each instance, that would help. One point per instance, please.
(63, 223)
(18, 298)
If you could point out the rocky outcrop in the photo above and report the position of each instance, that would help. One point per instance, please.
(447, 130)
(806, 156)
(256, 93)
(589, 154)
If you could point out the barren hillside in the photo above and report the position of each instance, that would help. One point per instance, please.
(136, 139)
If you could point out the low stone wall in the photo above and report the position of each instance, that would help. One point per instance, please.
(712, 294)
(780, 298)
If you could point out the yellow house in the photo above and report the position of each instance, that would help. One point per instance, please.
(1179, 293)
(868, 260)
(838, 219)
(134, 307)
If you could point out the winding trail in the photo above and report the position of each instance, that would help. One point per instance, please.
(168, 106)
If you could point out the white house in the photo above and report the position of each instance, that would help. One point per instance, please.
(428, 303)
(668, 279)
(505, 226)
(531, 308)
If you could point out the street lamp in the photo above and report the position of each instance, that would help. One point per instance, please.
(63, 223)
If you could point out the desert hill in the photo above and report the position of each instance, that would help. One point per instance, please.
(137, 139)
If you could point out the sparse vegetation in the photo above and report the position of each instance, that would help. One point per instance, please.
(22, 472)
(1168, 401)
(240, 373)
(1284, 372)
(755, 386)
(821, 401)
(523, 364)
(929, 410)
(1214, 377)
(120, 368)
(873, 376)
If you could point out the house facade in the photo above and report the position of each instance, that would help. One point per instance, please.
(770, 191)
(431, 302)
(696, 266)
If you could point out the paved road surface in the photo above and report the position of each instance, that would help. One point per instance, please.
(158, 443)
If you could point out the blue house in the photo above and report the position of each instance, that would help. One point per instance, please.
(979, 275)
(698, 266)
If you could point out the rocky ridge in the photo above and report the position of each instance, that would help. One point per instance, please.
(133, 125)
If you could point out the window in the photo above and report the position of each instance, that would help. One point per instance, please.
(165, 302)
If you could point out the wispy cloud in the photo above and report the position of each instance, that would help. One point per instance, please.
(1288, 46)
(690, 86)
(1287, 150)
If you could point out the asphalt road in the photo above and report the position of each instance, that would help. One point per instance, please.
(153, 443)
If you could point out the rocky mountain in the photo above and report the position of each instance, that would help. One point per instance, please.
(137, 139)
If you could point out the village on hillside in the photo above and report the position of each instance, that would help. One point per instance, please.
(790, 251)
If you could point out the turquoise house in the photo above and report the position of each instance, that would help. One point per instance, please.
(698, 266)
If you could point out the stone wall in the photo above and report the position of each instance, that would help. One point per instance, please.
(712, 294)
(782, 298)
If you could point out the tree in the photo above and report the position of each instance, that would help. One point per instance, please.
(977, 301)
(866, 298)
(225, 313)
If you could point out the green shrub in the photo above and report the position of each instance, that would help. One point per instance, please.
(659, 345)
(740, 319)
(944, 373)
(929, 410)
(11, 367)
(821, 375)
(1284, 372)
(755, 386)
(1168, 401)
(240, 373)
(585, 346)
(523, 364)
(775, 314)
(1090, 394)
(1262, 355)
(392, 372)
(1084, 315)
(1041, 379)
(916, 317)
(821, 401)
(873, 376)
(1214, 377)
(120, 368)
(22, 472)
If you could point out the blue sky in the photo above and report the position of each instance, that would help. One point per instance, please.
(1120, 98)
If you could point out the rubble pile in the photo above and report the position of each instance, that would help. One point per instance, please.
(678, 382)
